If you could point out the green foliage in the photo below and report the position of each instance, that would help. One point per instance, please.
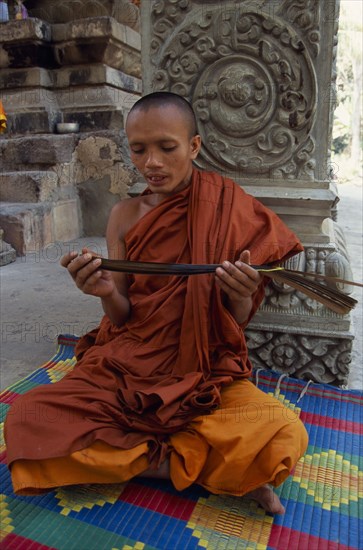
(340, 143)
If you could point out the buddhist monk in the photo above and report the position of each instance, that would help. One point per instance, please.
(162, 387)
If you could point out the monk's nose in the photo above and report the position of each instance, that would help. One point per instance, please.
(153, 160)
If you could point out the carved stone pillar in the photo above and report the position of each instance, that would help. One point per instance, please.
(260, 76)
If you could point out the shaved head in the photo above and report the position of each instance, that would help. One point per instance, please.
(168, 99)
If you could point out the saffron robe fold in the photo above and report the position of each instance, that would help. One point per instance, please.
(166, 366)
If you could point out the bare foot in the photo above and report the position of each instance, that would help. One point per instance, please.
(268, 499)
(263, 495)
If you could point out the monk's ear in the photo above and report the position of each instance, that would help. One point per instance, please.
(195, 145)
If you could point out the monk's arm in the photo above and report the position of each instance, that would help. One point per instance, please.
(239, 309)
(117, 305)
(239, 282)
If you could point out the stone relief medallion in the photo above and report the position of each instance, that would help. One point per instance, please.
(252, 84)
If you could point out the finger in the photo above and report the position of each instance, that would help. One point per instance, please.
(84, 273)
(242, 274)
(245, 257)
(89, 286)
(232, 293)
(68, 258)
(89, 251)
(78, 264)
(242, 285)
(251, 272)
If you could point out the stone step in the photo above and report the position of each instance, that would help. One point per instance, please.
(98, 40)
(121, 10)
(36, 43)
(26, 43)
(37, 83)
(27, 227)
(40, 121)
(28, 186)
(7, 253)
(37, 151)
(30, 227)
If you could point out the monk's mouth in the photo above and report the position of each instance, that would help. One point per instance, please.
(156, 180)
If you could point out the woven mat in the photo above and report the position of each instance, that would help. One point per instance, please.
(323, 497)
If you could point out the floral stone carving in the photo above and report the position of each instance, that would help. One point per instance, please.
(323, 360)
(252, 84)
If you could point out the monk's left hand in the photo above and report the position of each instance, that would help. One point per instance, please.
(239, 281)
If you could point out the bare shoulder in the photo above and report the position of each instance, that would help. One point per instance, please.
(124, 214)
(127, 213)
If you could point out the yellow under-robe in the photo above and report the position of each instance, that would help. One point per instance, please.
(252, 439)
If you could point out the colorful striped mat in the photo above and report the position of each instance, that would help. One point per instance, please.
(323, 497)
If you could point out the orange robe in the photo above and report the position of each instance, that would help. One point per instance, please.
(152, 386)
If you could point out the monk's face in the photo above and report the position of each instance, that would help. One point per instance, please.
(162, 148)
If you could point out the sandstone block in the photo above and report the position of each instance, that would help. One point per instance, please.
(35, 122)
(44, 150)
(27, 227)
(27, 186)
(98, 40)
(96, 74)
(95, 212)
(25, 77)
(27, 30)
(26, 44)
(100, 119)
(302, 209)
(7, 256)
(137, 188)
(123, 11)
(66, 220)
(7, 253)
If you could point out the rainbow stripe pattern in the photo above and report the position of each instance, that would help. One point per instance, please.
(323, 496)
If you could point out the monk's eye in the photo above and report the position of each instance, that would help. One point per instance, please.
(168, 149)
(137, 151)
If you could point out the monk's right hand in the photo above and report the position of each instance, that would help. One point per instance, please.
(86, 273)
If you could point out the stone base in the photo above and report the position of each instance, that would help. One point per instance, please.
(35, 43)
(303, 210)
(296, 335)
(97, 40)
(27, 227)
(66, 220)
(123, 11)
(7, 253)
(26, 43)
(7, 256)
(323, 357)
(36, 152)
(30, 186)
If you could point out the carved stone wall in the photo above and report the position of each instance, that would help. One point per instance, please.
(260, 75)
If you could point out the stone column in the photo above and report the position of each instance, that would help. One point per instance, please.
(260, 76)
